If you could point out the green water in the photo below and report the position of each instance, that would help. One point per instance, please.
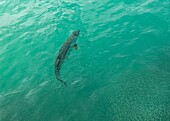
(121, 71)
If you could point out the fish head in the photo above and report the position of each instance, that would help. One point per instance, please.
(76, 33)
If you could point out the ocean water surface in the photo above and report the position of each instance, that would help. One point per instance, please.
(121, 71)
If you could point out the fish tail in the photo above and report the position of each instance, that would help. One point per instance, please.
(63, 82)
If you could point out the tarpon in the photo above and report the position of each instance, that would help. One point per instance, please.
(63, 51)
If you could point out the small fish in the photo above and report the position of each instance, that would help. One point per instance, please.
(62, 53)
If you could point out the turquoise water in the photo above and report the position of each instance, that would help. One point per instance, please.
(121, 71)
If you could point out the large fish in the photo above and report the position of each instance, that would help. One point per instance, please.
(63, 51)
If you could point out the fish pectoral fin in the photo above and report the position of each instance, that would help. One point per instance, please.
(75, 46)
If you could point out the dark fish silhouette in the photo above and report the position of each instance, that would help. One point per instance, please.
(62, 53)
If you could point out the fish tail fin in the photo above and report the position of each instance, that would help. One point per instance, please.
(63, 82)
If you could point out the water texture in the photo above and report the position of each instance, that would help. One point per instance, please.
(121, 71)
